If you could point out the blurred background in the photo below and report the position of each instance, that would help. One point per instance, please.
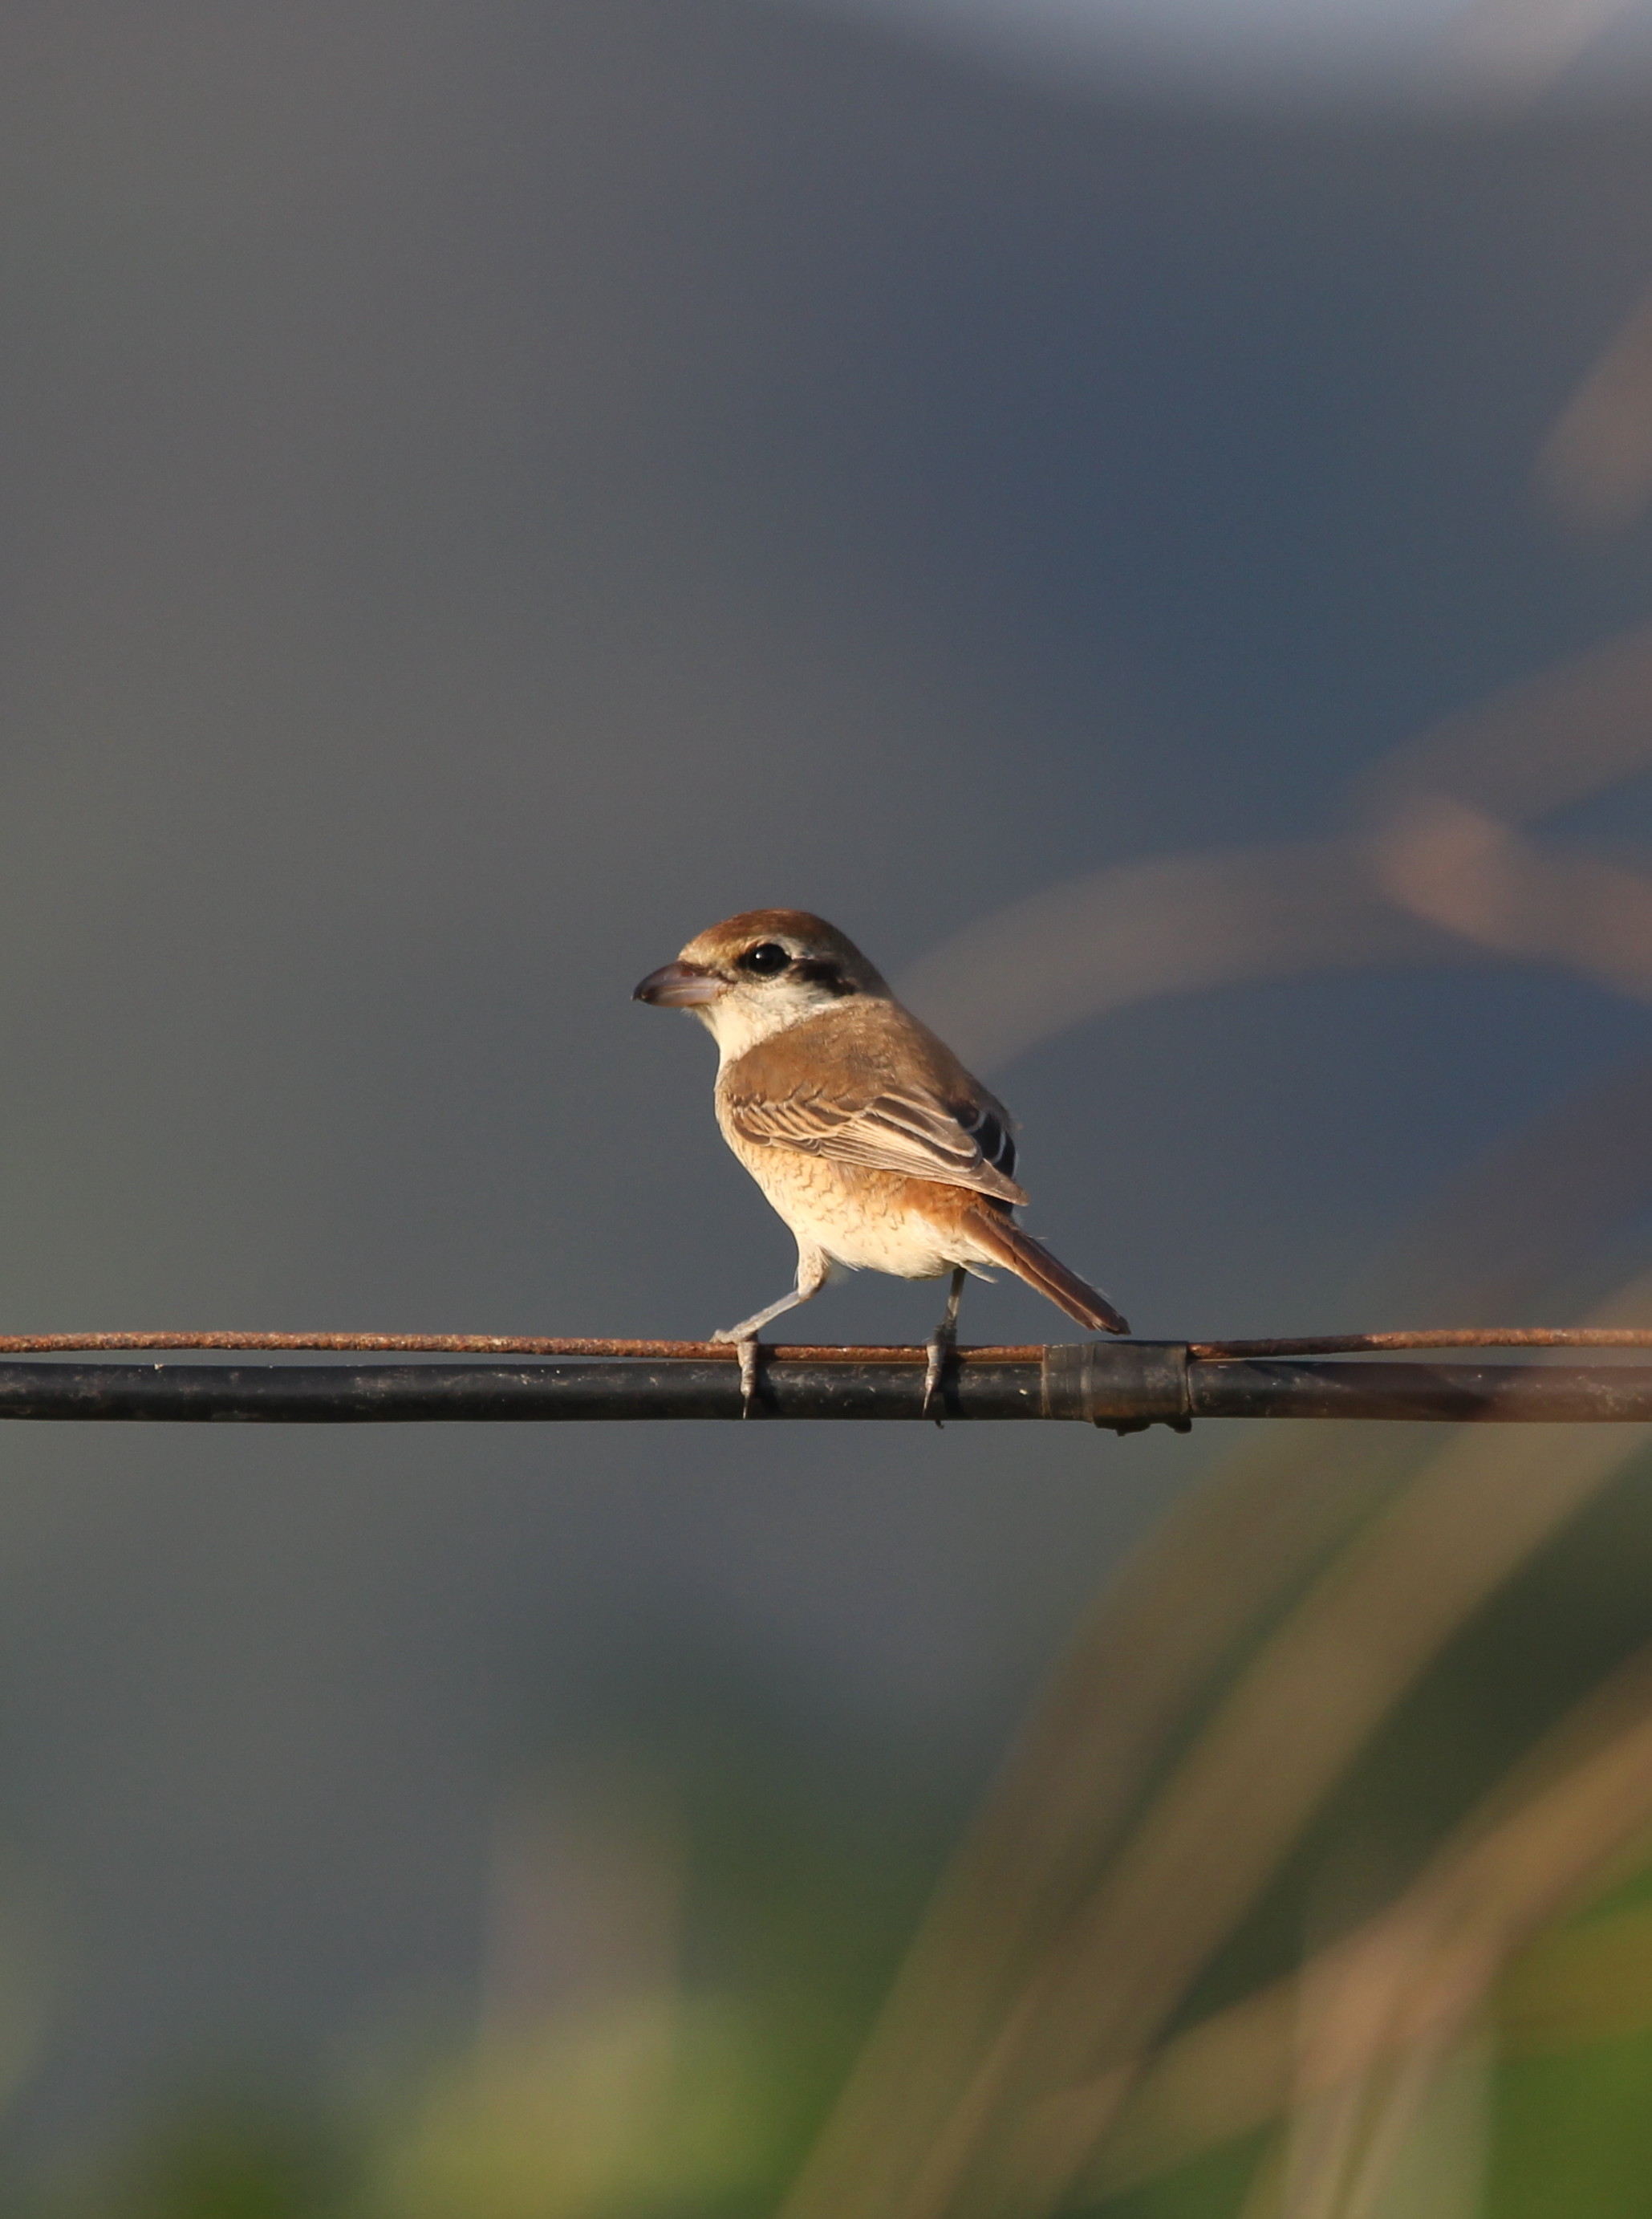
(1139, 515)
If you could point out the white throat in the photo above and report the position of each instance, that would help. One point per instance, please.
(747, 1016)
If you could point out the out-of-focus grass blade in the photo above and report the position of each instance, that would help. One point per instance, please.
(1551, 1832)
(1383, 2011)
(1185, 923)
(1474, 876)
(1595, 468)
(1215, 1832)
(1574, 730)
(1085, 1908)
(1147, 1659)
(1174, 924)
(1502, 53)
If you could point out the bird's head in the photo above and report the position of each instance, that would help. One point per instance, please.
(757, 974)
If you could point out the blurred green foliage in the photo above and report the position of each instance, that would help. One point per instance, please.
(775, 1864)
(794, 1850)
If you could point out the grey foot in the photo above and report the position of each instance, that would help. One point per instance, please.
(941, 1345)
(747, 1374)
(936, 1354)
(744, 1337)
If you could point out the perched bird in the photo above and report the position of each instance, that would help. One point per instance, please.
(865, 1131)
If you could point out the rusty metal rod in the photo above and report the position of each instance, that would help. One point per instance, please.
(1124, 1385)
(713, 1351)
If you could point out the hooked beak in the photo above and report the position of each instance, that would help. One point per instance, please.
(678, 986)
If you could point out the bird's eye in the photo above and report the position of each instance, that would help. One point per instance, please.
(767, 959)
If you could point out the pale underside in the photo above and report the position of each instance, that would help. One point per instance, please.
(860, 1218)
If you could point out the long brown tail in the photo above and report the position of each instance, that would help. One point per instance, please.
(1031, 1260)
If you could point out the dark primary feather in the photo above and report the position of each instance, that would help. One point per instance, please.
(990, 1135)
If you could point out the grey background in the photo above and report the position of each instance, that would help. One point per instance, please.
(484, 492)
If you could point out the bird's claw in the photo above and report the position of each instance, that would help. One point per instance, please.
(746, 1345)
(747, 1374)
(935, 1367)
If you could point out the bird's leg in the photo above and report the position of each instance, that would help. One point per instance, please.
(813, 1271)
(944, 1341)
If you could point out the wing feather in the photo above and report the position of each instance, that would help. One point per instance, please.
(917, 1135)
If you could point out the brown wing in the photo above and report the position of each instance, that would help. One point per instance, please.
(963, 1143)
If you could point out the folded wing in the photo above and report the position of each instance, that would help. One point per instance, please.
(964, 1143)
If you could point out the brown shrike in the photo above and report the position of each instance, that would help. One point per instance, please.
(865, 1131)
